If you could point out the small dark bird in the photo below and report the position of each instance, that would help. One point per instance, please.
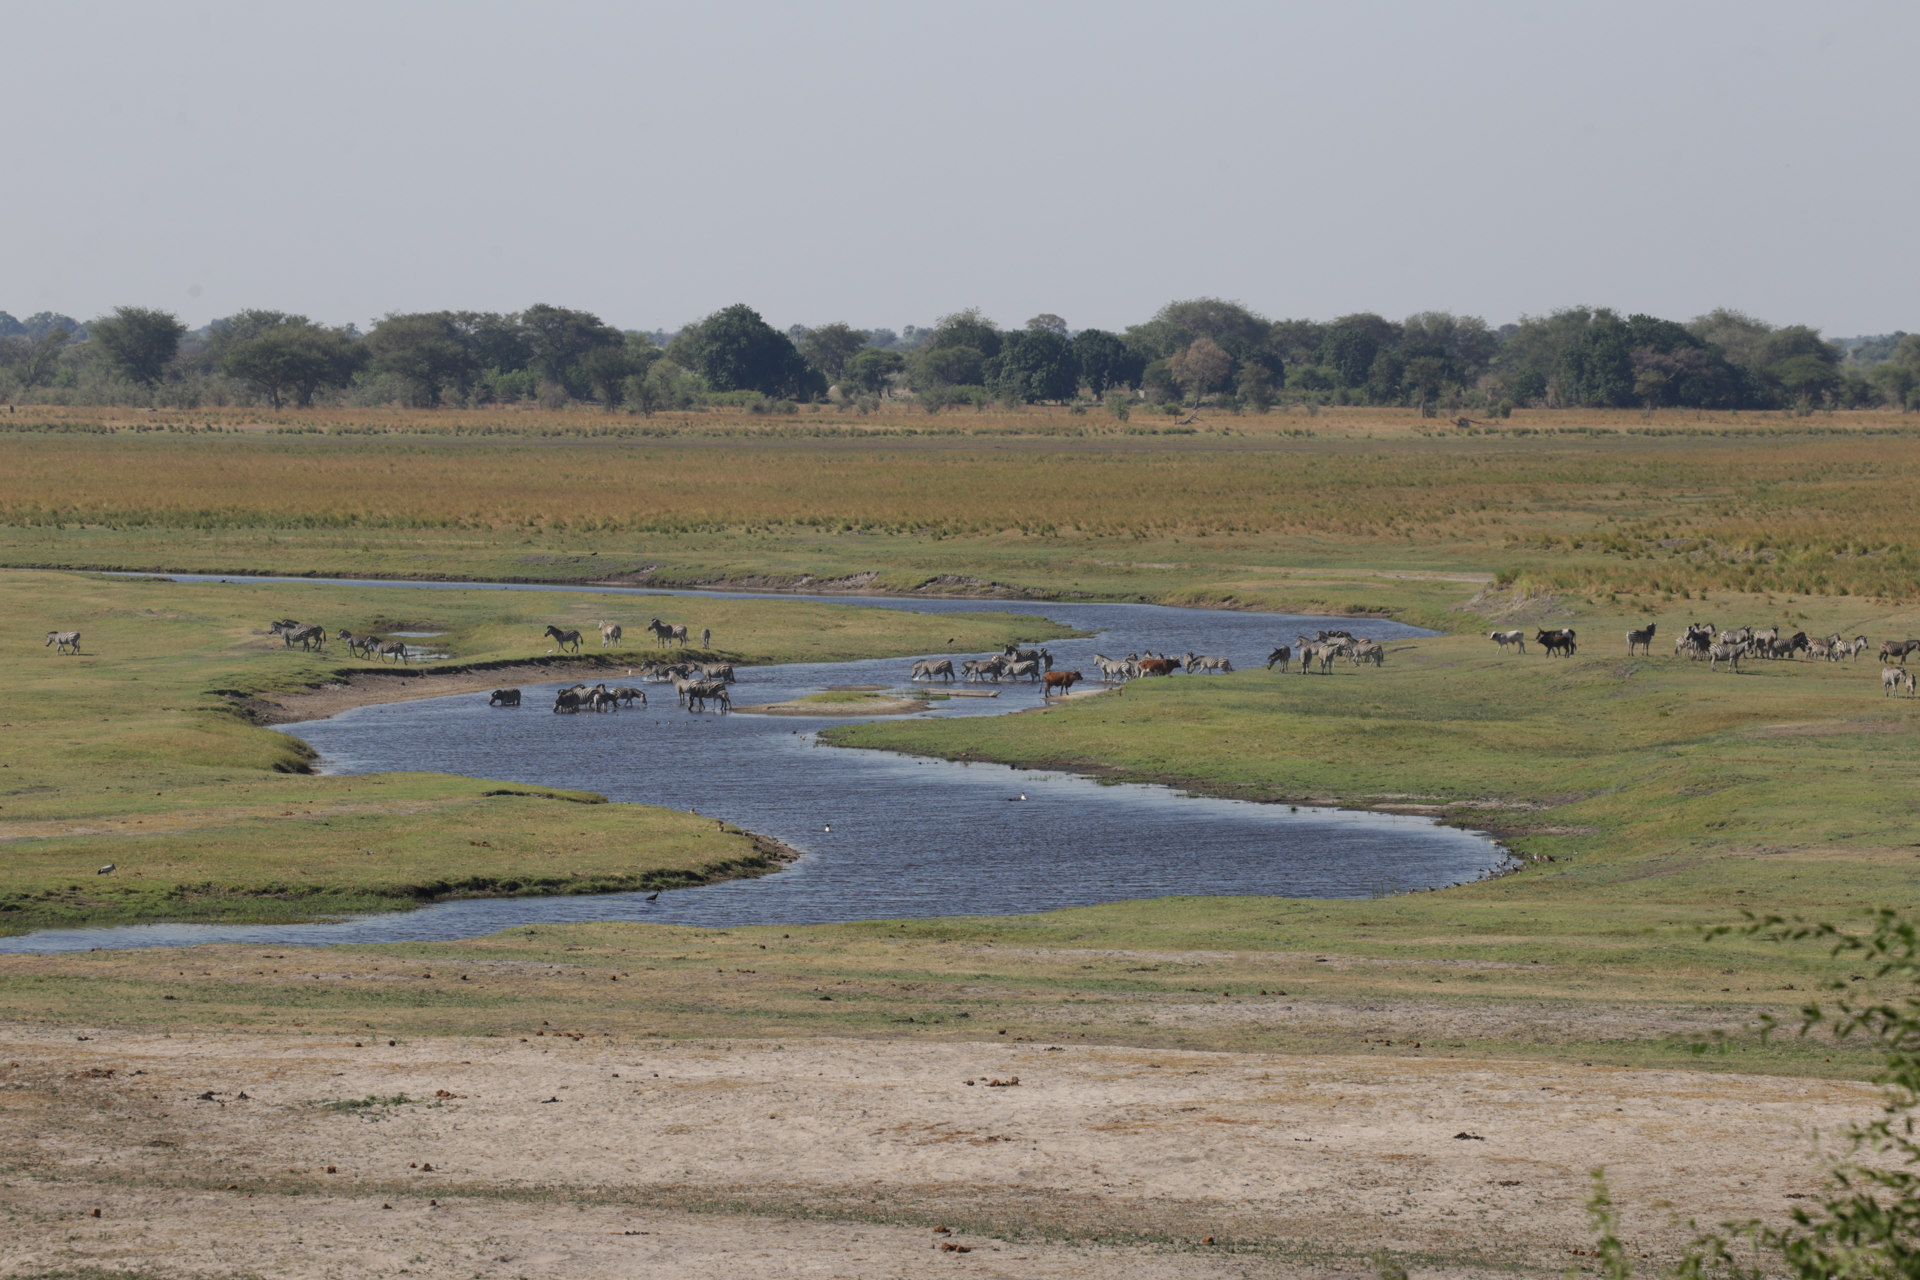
(654, 896)
(104, 870)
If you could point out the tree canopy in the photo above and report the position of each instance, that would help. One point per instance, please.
(139, 341)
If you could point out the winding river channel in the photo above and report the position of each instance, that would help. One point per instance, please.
(883, 835)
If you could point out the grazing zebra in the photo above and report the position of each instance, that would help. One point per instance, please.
(1367, 651)
(1643, 639)
(396, 649)
(1505, 638)
(609, 633)
(706, 637)
(928, 668)
(504, 698)
(309, 634)
(565, 639)
(63, 641)
(666, 635)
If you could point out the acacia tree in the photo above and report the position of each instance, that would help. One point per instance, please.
(1202, 368)
(295, 356)
(829, 347)
(424, 351)
(140, 342)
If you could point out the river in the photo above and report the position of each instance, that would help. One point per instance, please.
(883, 835)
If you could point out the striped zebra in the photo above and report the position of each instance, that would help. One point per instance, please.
(63, 641)
(609, 633)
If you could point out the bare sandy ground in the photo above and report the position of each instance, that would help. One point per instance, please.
(373, 686)
(562, 1157)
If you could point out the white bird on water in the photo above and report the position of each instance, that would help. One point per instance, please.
(828, 827)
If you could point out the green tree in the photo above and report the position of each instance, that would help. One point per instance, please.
(1050, 322)
(1352, 343)
(294, 356)
(1465, 342)
(735, 350)
(1033, 364)
(872, 370)
(424, 351)
(664, 385)
(933, 367)
(829, 347)
(139, 342)
(607, 369)
(558, 339)
(966, 329)
(1105, 361)
(1737, 334)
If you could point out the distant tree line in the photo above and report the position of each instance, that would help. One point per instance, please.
(1202, 351)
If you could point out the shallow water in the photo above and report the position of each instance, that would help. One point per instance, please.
(884, 835)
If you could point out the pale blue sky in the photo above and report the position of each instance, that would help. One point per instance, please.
(886, 163)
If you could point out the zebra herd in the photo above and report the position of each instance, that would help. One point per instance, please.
(313, 636)
(695, 685)
(1701, 642)
(1325, 649)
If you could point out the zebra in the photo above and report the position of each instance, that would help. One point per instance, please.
(308, 634)
(1112, 671)
(1727, 653)
(62, 641)
(504, 698)
(928, 668)
(1209, 665)
(609, 633)
(1367, 651)
(704, 690)
(626, 694)
(396, 649)
(1891, 678)
(706, 637)
(565, 639)
(983, 669)
(716, 671)
(1029, 668)
(1283, 655)
(1643, 639)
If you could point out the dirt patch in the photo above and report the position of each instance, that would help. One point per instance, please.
(561, 1156)
(361, 689)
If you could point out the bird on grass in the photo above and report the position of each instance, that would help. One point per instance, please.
(104, 870)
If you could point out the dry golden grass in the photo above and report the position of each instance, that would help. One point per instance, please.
(1589, 502)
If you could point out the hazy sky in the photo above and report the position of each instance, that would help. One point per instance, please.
(884, 164)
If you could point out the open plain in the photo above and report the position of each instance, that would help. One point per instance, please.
(1285, 1077)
